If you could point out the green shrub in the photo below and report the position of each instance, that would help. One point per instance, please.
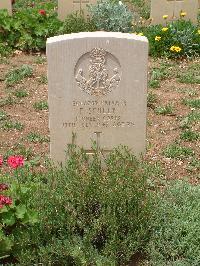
(28, 28)
(92, 212)
(111, 16)
(177, 39)
(175, 236)
(77, 23)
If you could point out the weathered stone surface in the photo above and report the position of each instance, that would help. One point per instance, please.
(97, 84)
(66, 7)
(173, 8)
(6, 4)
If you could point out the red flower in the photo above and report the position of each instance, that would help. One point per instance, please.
(15, 161)
(1, 161)
(5, 200)
(42, 12)
(3, 187)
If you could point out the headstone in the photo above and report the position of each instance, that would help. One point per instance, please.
(66, 7)
(97, 85)
(173, 8)
(6, 4)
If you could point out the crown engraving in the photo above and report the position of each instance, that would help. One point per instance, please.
(98, 83)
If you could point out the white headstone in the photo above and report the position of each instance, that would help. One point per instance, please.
(97, 85)
(173, 8)
(6, 4)
(66, 7)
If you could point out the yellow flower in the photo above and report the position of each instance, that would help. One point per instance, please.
(176, 49)
(165, 16)
(140, 34)
(198, 31)
(157, 38)
(164, 29)
(183, 14)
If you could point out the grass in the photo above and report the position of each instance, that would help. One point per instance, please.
(9, 125)
(188, 91)
(35, 138)
(189, 135)
(151, 99)
(3, 115)
(165, 110)
(190, 119)
(176, 151)
(19, 149)
(40, 60)
(154, 83)
(191, 75)
(43, 80)
(194, 166)
(7, 101)
(193, 103)
(20, 93)
(41, 105)
(15, 75)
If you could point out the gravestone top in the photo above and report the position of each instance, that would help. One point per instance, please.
(97, 84)
(6, 4)
(97, 34)
(173, 8)
(66, 7)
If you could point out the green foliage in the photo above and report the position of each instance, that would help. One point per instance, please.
(193, 103)
(27, 29)
(35, 137)
(191, 118)
(19, 149)
(92, 212)
(9, 125)
(154, 83)
(175, 235)
(40, 60)
(182, 34)
(15, 217)
(9, 100)
(41, 105)
(43, 79)
(151, 99)
(189, 135)
(3, 115)
(17, 74)
(189, 78)
(165, 110)
(176, 151)
(111, 16)
(20, 93)
(77, 23)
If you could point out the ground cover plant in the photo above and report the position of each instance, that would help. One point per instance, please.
(91, 228)
(175, 238)
(98, 213)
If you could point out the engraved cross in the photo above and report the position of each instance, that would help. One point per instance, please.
(80, 2)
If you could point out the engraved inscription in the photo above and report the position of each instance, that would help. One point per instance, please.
(98, 82)
(98, 114)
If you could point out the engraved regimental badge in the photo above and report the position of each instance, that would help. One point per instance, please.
(101, 75)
